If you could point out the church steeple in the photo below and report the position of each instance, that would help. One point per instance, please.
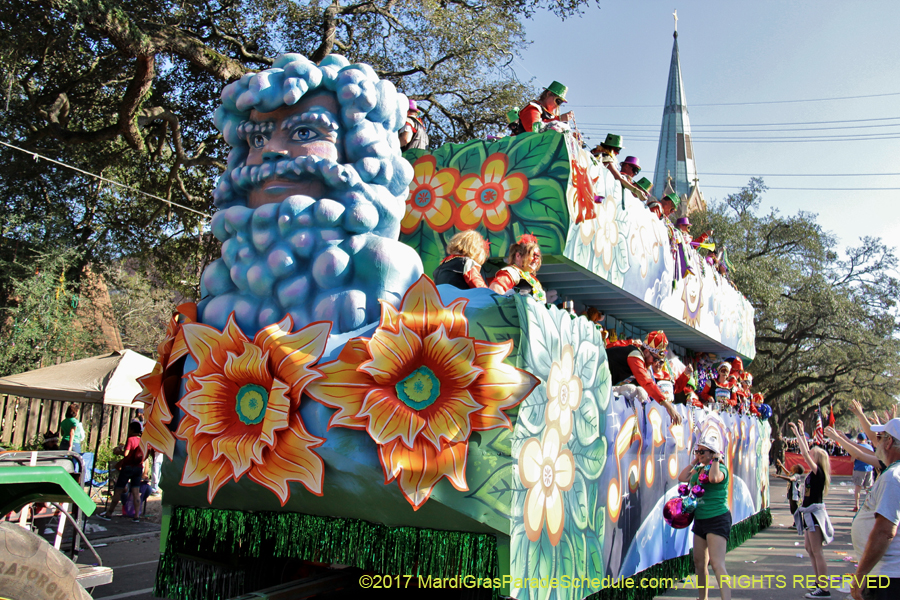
(675, 154)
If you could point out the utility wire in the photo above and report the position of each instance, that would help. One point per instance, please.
(737, 187)
(694, 126)
(792, 174)
(650, 128)
(793, 140)
(745, 103)
(101, 178)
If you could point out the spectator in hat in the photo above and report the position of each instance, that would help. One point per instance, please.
(546, 108)
(607, 153)
(413, 134)
(874, 530)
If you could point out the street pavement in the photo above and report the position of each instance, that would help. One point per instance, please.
(773, 565)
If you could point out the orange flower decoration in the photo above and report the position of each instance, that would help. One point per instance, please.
(430, 196)
(241, 407)
(486, 198)
(584, 193)
(161, 386)
(419, 387)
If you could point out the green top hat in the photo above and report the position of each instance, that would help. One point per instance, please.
(512, 116)
(673, 199)
(644, 183)
(558, 89)
(613, 141)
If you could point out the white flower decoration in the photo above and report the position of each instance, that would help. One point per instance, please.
(564, 390)
(547, 470)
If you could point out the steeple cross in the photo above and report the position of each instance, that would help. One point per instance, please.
(675, 14)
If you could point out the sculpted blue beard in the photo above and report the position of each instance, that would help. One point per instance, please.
(313, 259)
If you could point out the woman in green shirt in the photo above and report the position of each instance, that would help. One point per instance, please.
(712, 519)
(71, 431)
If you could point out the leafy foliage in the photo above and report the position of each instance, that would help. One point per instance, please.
(41, 320)
(826, 322)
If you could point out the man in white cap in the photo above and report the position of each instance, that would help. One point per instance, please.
(874, 529)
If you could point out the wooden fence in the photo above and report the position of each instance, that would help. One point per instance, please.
(25, 418)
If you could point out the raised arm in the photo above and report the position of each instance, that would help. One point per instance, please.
(804, 446)
(856, 409)
(685, 475)
(852, 448)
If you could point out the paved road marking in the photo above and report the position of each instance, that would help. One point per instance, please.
(146, 562)
(127, 594)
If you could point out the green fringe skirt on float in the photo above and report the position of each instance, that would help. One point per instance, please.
(193, 567)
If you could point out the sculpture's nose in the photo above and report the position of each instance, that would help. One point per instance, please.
(274, 154)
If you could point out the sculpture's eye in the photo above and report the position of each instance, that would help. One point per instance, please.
(304, 134)
(258, 140)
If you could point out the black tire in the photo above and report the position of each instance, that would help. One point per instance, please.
(32, 569)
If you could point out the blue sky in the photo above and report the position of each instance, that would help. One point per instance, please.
(615, 60)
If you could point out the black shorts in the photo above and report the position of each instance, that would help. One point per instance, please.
(719, 525)
(129, 475)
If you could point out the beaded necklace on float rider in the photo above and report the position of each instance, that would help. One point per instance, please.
(719, 392)
(518, 277)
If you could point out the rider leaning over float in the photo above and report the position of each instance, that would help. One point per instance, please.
(545, 109)
(630, 367)
(718, 389)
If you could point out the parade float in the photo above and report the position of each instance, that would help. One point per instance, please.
(326, 403)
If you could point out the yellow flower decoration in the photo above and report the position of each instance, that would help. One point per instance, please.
(160, 388)
(564, 390)
(486, 198)
(547, 470)
(419, 387)
(242, 407)
(430, 196)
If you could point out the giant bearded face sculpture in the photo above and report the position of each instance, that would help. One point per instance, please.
(311, 201)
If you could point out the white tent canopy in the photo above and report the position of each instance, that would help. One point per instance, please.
(109, 379)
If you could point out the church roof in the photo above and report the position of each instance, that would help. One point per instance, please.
(675, 154)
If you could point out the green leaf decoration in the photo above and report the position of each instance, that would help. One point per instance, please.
(587, 419)
(498, 322)
(589, 361)
(443, 154)
(470, 159)
(496, 492)
(533, 153)
(540, 564)
(581, 509)
(414, 154)
(546, 200)
(559, 170)
(593, 541)
(551, 236)
(501, 145)
(591, 459)
(502, 442)
(531, 411)
(572, 555)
